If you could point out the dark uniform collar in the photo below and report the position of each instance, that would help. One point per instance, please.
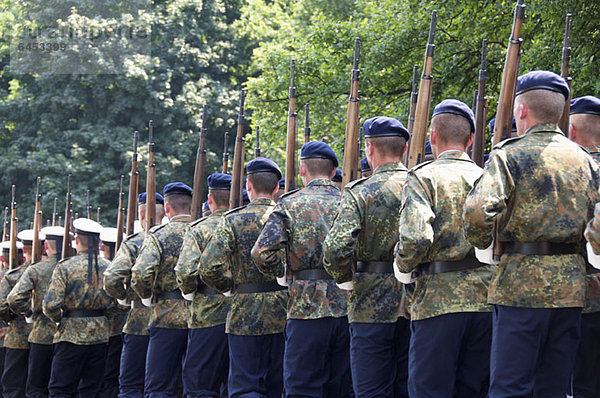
(320, 182)
(544, 128)
(391, 166)
(454, 154)
(218, 212)
(262, 201)
(181, 218)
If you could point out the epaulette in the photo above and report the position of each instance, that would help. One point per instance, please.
(352, 184)
(134, 235)
(293, 191)
(422, 164)
(198, 221)
(234, 210)
(64, 259)
(508, 141)
(158, 227)
(14, 270)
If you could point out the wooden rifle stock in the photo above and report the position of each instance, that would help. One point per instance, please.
(66, 244)
(226, 153)
(416, 152)
(120, 215)
(564, 72)
(14, 229)
(199, 170)
(235, 195)
(290, 147)
(133, 188)
(350, 166)
(480, 110)
(150, 182)
(36, 248)
(414, 95)
(307, 122)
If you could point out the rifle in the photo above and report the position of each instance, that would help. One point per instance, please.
(5, 236)
(417, 142)
(150, 183)
(14, 228)
(292, 125)
(89, 208)
(199, 170)
(235, 195)
(564, 72)
(414, 94)
(506, 99)
(306, 122)
(480, 110)
(120, 216)
(36, 249)
(66, 244)
(349, 166)
(133, 188)
(54, 214)
(257, 143)
(225, 153)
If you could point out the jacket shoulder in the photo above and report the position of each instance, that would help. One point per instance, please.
(509, 141)
(290, 193)
(421, 165)
(198, 221)
(232, 211)
(356, 183)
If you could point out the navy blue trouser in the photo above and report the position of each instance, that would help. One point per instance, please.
(110, 386)
(256, 366)
(14, 376)
(449, 355)
(379, 358)
(38, 373)
(533, 351)
(77, 369)
(164, 358)
(206, 362)
(586, 383)
(133, 366)
(316, 361)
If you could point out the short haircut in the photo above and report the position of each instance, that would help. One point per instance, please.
(264, 183)
(179, 203)
(318, 166)
(388, 146)
(160, 210)
(588, 127)
(545, 106)
(83, 239)
(451, 129)
(52, 244)
(220, 197)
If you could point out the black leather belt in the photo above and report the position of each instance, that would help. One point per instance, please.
(539, 248)
(315, 274)
(207, 291)
(137, 304)
(83, 313)
(172, 295)
(439, 267)
(376, 267)
(258, 287)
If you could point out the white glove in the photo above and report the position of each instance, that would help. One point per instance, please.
(282, 281)
(346, 285)
(228, 293)
(189, 296)
(593, 258)
(148, 302)
(124, 302)
(403, 277)
(486, 255)
(29, 319)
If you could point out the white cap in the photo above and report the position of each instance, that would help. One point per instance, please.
(85, 226)
(6, 245)
(26, 236)
(52, 232)
(109, 235)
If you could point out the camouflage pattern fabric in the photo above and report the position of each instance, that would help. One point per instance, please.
(593, 275)
(153, 273)
(117, 317)
(18, 330)
(205, 310)
(294, 235)
(69, 290)
(366, 229)
(226, 262)
(34, 283)
(539, 187)
(118, 275)
(431, 230)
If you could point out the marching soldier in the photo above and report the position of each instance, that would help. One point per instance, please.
(365, 231)
(451, 322)
(316, 362)
(153, 279)
(116, 278)
(207, 359)
(26, 237)
(256, 319)
(539, 189)
(26, 299)
(76, 300)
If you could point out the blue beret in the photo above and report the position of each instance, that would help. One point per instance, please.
(159, 198)
(245, 197)
(177, 188)
(428, 150)
(282, 183)
(338, 176)
(318, 149)
(219, 181)
(263, 165)
(492, 124)
(205, 206)
(542, 80)
(383, 126)
(364, 165)
(455, 107)
(589, 105)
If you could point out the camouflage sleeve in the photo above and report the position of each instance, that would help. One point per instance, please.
(51, 306)
(186, 269)
(269, 250)
(416, 224)
(143, 272)
(340, 243)
(118, 273)
(592, 232)
(216, 258)
(487, 200)
(6, 315)
(19, 298)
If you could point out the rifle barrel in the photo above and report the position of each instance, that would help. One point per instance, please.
(480, 110)
(350, 165)
(226, 153)
(133, 188)
(292, 123)
(150, 182)
(564, 72)
(199, 170)
(235, 194)
(257, 143)
(307, 122)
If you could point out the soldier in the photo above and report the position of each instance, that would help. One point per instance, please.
(256, 319)
(153, 279)
(117, 278)
(365, 232)
(540, 189)
(16, 347)
(316, 362)
(76, 300)
(451, 322)
(585, 130)
(26, 299)
(337, 179)
(206, 359)
(365, 168)
(26, 237)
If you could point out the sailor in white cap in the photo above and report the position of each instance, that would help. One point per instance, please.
(26, 237)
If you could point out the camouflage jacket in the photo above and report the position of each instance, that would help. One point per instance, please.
(226, 262)
(154, 273)
(69, 290)
(593, 275)
(118, 275)
(431, 230)
(18, 330)
(294, 235)
(205, 310)
(30, 290)
(366, 229)
(539, 187)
